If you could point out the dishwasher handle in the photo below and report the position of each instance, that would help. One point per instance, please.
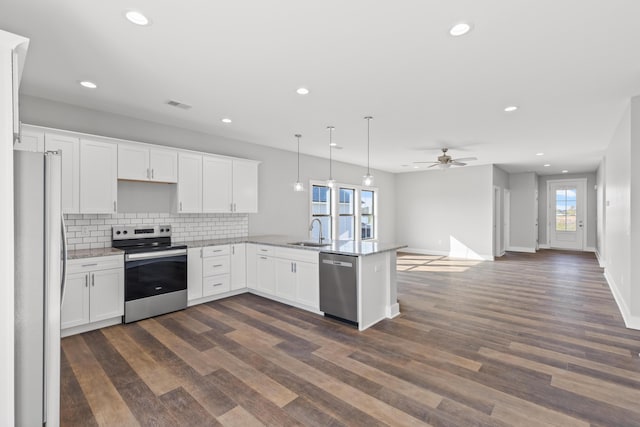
(337, 263)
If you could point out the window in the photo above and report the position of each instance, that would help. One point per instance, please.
(321, 209)
(347, 214)
(566, 209)
(367, 216)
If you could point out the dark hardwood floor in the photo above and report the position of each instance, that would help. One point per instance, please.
(530, 339)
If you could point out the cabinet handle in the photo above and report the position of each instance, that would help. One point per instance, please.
(147, 173)
(264, 250)
(89, 265)
(217, 250)
(231, 207)
(217, 265)
(295, 267)
(263, 257)
(233, 250)
(86, 281)
(152, 174)
(93, 280)
(201, 252)
(115, 206)
(217, 284)
(180, 206)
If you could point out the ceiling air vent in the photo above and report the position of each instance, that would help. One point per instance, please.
(178, 104)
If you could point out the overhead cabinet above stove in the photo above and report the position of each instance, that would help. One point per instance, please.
(143, 162)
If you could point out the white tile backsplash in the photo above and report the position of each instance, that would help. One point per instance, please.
(88, 231)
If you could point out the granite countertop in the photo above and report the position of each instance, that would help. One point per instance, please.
(343, 247)
(90, 253)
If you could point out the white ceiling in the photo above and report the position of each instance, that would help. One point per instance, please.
(570, 65)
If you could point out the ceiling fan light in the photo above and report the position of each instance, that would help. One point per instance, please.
(444, 165)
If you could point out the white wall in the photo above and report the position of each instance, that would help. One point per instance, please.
(591, 214)
(523, 215)
(447, 212)
(617, 238)
(634, 225)
(281, 211)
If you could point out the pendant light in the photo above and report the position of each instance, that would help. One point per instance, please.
(298, 185)
(331, 183)
(367, 180)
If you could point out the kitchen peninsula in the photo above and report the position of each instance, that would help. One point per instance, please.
(285, 269)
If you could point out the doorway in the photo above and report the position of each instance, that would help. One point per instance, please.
(498, 250)
(566, 213)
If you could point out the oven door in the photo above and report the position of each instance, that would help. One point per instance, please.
(155, 273)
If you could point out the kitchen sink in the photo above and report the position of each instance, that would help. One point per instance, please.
(310, 244)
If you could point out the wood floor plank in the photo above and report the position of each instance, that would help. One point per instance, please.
(107, 405)
(529, 339)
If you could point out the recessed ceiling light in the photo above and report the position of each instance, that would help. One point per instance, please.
(539, 154)
(511, 108)
(88, 84)
(460, 29)
(547, 165)
(416, 167)
(302, 91)
(226, 120)
(565, 171)
(136, 17)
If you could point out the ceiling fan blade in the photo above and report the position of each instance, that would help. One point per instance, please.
(464, 159)
(454, 163)
(435, 163)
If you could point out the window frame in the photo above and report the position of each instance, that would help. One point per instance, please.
(321, 216)
(334, 209)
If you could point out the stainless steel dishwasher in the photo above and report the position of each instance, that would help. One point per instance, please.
(339, 286)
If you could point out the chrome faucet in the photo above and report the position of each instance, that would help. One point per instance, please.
(320, 238)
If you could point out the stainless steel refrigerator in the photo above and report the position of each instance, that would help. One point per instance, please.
(40, 259)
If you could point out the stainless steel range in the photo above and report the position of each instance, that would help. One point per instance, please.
(155, 271)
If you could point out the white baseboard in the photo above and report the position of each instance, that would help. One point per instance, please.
(589, 249)
(545, 246)
(393, 311)
(631, 322)
(601, 260)
(521, 249)
(479, 257)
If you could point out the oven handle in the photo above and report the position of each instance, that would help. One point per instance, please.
(151, 255)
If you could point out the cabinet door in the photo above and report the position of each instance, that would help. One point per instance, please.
(216, 184)
(189, 183)
(308, 284)
(252, 272)
(106, 298)
(133, 162)
(98, 177)
(70, 148)
(30, 140)
(238, 266)
(75, 302)
(194, 273)
(285, 279)
(245, 186)
(164, 165)
(266, 274)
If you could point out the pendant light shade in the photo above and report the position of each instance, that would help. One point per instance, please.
(298, 185)
(367, 180)
(331, 183)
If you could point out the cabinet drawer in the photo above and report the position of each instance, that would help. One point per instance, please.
(97, 263)
(216, 285)
(265, 250)
(305, 255)
(215, 250)
(212, 266)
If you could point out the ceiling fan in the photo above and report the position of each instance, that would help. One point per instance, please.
(445, 161)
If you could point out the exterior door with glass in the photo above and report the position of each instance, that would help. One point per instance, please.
(567, 214)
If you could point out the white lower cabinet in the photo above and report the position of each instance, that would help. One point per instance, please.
(93, 294)
(266, 274)
(285, 279)
(214, 270)
(308, 284)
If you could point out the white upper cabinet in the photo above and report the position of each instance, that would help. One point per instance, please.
(98, 176)
(189, 183)
(69, 146)
(139, 162)
(216, 184)
(245, 186)
(30, 140)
